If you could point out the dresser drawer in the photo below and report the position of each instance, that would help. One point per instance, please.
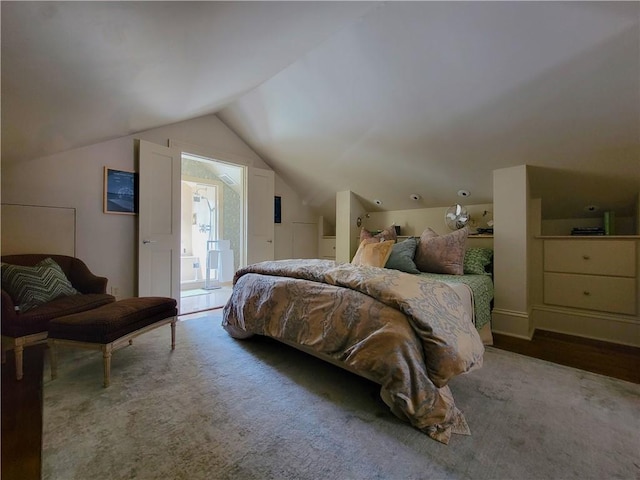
(606, 294)
(594, 257)
(328, 248)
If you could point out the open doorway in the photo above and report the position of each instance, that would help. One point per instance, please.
(212, 231)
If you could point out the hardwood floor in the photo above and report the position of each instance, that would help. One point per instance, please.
(21, 441)
(610, 359)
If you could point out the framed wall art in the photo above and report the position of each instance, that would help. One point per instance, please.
(120, 192)
(277, 210)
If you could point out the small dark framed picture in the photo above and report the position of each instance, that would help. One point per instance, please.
(120, 191)
(277, 210)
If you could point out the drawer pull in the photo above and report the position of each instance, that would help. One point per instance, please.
(586, 257)
(587, 293)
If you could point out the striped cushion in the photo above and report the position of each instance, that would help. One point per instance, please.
(33, 286)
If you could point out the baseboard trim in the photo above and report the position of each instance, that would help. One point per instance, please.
(604, 327)
(512, 323)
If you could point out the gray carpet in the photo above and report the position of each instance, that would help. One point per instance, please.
(218, 408)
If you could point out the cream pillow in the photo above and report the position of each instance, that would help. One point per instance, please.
(373, 253)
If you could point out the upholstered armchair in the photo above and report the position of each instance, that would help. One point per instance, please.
(22, 327)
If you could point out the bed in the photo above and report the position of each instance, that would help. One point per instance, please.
(409, 333)
(478, 292)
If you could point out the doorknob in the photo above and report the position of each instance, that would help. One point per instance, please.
(148, 241)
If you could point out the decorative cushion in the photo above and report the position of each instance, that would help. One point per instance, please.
(33, 286)
(442, 253)
(373, 253)
(477, 259)
(386, 234)
(402, 254)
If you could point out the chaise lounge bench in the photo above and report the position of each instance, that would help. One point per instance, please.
(110, 327)
(26, 324)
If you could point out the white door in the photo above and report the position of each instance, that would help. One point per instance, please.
(260, 229)
(159, 221)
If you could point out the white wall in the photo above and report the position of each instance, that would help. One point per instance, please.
(348, 209)
(637, 219)
(413, 222)
(108, 243)
(510, 268)
(293, 211)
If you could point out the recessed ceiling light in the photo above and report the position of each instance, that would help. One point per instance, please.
(414, 196)
(377, 202)
(463, 193)
(591, 208)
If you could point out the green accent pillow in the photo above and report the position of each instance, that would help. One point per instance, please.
(30, 287)
(402, 256)
(477, 259)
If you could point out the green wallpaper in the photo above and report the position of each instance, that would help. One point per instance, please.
(231, 204)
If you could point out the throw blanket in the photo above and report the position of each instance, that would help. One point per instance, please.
(409, 334)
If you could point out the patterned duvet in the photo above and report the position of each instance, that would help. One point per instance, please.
(409, 334)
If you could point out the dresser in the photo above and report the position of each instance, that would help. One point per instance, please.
(327, 247)
(587, 287)
(591, 274)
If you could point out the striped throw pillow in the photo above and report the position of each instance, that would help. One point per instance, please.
(30, 287)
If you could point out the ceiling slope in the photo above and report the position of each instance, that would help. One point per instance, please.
(430, 98)
(384, 99)
(76, 73)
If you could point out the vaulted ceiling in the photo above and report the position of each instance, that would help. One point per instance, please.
(385, 99)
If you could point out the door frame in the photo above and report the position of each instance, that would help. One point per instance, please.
(235, 161)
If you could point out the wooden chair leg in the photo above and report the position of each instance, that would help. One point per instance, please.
(173, 335)
(18, 344)
(106, 357)
(19, 352)
(53, 358)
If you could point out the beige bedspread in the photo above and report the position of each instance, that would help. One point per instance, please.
(409, 334)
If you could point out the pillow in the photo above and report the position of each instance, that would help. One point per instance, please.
(373, 254)
(477, 259)
(442, 253)
(33, 286)
(402, 254)
(386, 234)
